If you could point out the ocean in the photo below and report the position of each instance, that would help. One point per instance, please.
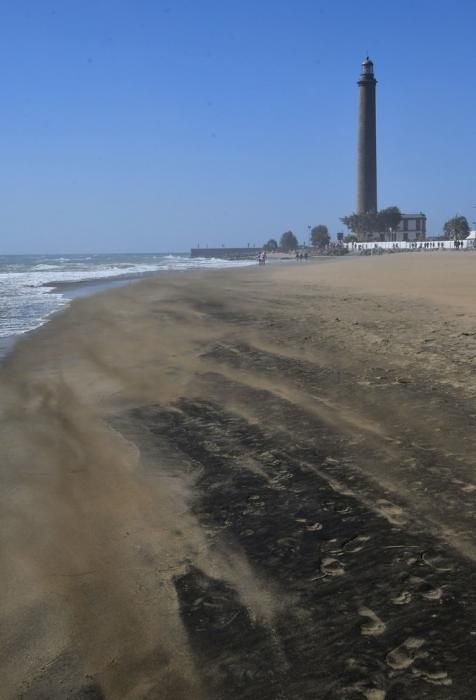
(28, 291)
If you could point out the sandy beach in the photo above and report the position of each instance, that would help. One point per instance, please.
(247, 483)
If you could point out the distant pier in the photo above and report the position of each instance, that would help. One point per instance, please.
(225, 253)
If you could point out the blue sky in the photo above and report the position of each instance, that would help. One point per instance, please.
(141, 125)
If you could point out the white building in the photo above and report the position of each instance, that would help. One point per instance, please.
(412, 227)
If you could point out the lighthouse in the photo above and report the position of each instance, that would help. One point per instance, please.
(367, 141)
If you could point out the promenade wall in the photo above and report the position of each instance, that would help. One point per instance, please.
(409, 245)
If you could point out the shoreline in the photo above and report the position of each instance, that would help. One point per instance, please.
(70, 290)
(75, 289)
(255, 482)
(113, 280)
(79, 288)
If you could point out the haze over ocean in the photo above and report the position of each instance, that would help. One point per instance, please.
(154, 126)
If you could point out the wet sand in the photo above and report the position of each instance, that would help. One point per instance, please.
(251, 483)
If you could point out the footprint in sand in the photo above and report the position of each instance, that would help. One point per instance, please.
(403, 598)
(374, 694)
(375, 627)
(435, 677)
(309, 525)
(356, 544)
(331, 567)
(394, 514)
(418, 587)
(366, 692)
(404, 655)
(430, 593)
(437, 561)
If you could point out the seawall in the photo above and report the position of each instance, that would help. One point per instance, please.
(225, 253)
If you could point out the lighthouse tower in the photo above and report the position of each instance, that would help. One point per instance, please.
(367, 141)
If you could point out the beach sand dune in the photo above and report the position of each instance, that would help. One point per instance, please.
(248, 483)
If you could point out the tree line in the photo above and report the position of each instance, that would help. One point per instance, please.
(382, 221)
(387, 220)
(319, 238)
(359, 225)
(457, 228)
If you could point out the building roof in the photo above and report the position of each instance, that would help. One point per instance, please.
(420, 215)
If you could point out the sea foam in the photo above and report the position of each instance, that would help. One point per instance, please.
(28, 292)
